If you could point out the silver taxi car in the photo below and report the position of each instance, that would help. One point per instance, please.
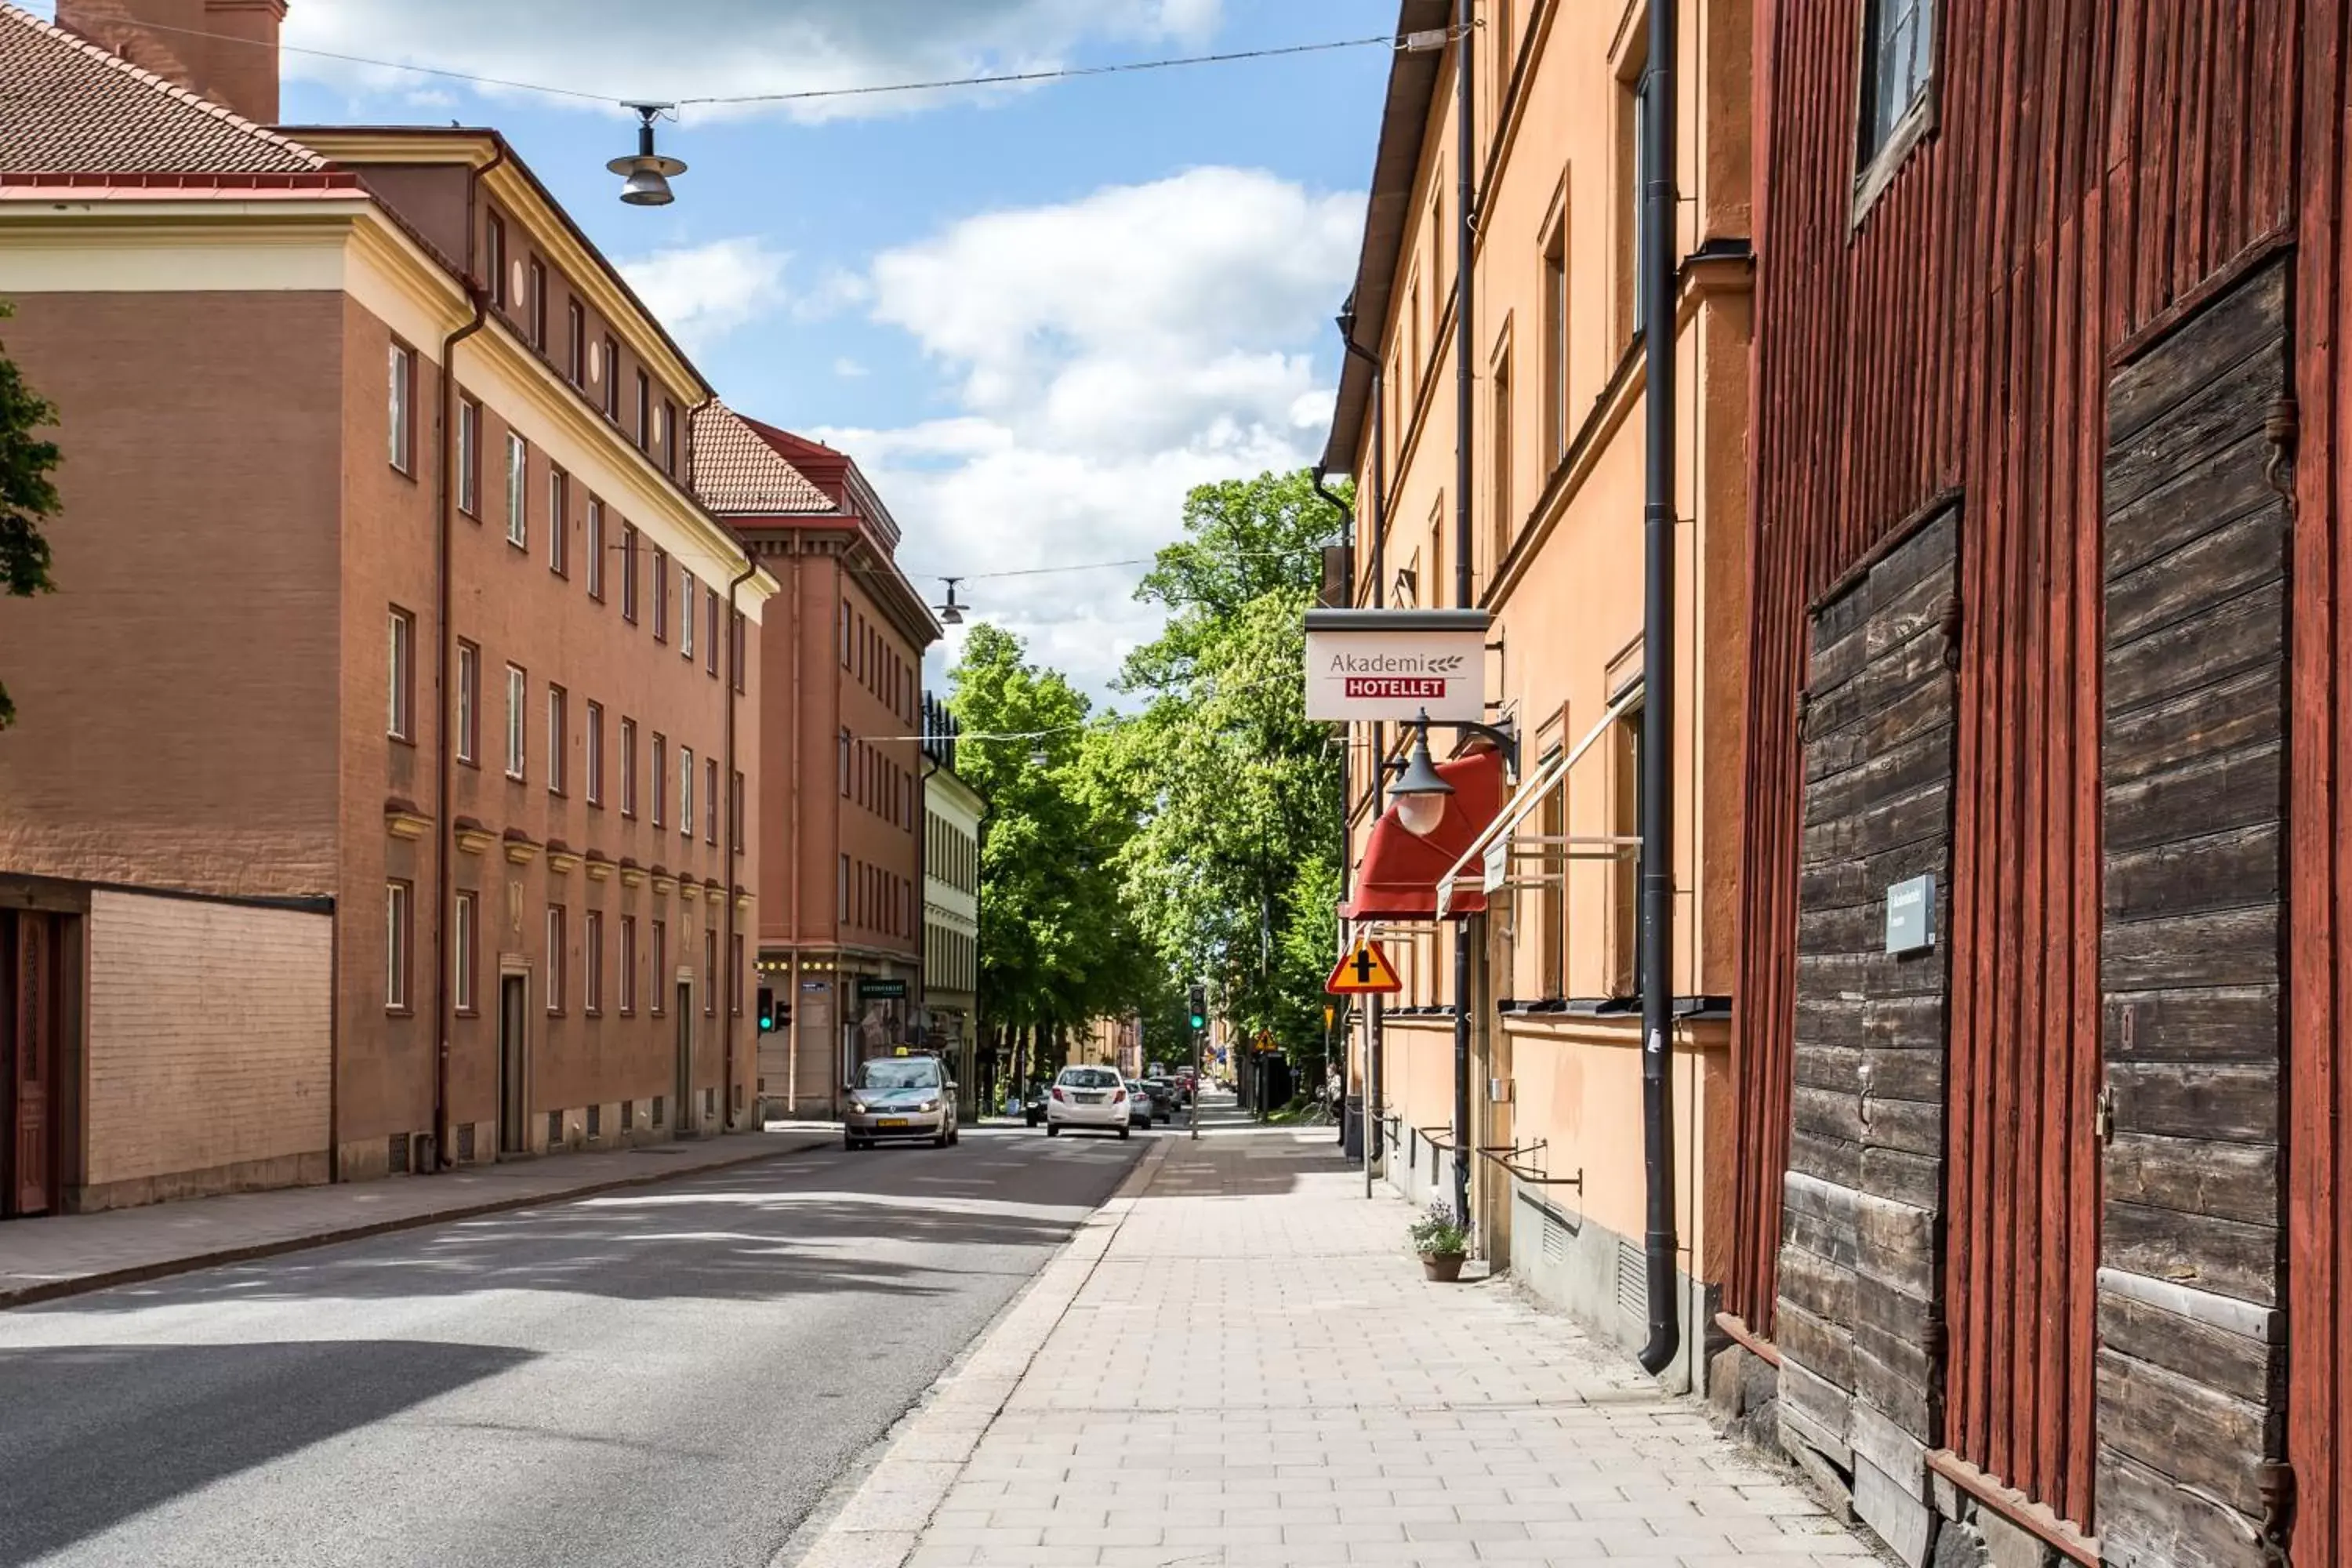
(905, 1096)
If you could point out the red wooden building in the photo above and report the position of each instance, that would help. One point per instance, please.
(2041, 1211)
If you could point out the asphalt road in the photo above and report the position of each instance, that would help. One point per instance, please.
(672, 1375)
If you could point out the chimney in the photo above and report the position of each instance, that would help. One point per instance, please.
(225, 50)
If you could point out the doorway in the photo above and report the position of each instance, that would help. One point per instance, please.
(31, 1006)
(684, 1011)
(514, 1001)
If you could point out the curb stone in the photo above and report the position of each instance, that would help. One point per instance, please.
(883, 1520)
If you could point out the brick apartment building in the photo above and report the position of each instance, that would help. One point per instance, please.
(841, 899)
(361, 435)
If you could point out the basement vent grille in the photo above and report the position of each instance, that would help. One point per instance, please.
(1633, 1281)
(555, 1130)
(628, 1114)
(465, 1142)
(1555, 1240)
(710, 1104)
(595, 1121)
(658, 1111)
(397, 1153)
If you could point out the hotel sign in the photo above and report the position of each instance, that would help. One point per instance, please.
(1368, 665)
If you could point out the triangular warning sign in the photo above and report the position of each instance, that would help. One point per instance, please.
(1364, 972)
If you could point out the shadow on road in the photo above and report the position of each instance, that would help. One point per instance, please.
(138, 1426)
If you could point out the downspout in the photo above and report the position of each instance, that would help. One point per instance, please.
(1657, 285)
(1466, 56)
(445, 782)
(795, 872)
(738, 659)
(1374, 1126)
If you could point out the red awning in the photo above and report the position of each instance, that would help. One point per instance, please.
(1398, 879)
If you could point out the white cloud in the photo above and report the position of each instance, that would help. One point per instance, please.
(703, 292)
(1108, 354)
(849, 369)
(615, 49)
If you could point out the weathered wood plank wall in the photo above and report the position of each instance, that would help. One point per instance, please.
(2097, 165)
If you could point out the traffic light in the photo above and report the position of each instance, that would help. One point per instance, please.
(1200, 1001)
(767, 1011)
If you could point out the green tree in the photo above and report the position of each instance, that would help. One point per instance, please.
(27, 498)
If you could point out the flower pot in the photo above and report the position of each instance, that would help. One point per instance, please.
(1445, 1266)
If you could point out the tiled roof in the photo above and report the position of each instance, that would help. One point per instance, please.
(737, 473)
(67, 106)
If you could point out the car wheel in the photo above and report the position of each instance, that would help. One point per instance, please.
(1052, 1131)
(943, 1140)
(1123, 1132)
(851, 1144)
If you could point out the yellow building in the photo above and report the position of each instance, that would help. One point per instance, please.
(1556, 556)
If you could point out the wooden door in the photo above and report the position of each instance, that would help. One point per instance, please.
(684, 1011)
(514, 1001)
(29, 945)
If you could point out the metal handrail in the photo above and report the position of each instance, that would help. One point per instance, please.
(1501, 1156)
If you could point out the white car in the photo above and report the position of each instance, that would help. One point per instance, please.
(1091, 1098)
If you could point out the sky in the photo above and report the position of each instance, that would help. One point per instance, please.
(1035, 316)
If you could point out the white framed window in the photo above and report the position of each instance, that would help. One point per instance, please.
(659, 775)
(686, 791)
(518, 491)
(628, 767)
(555, 977)
(685, 587)
(595, 741)
(710, 799)
(469, 457)
(592, 951)
(399, 933)
(629, 964)
(1898, 60)
(557, 737)
(595, 547)
(469, 703)
(518, 694)
(400, 718)
(461, 940)
(559, 532)
(402, 418)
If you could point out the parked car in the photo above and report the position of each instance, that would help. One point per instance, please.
(1091, 1098)
(1165, 1097)
(1140, 1106)
(908, 1095)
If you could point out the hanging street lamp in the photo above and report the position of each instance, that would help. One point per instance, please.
(647, 173)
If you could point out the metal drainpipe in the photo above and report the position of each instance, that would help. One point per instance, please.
(444, 783)
(1466, 56)
(1657, 284)
(1374, 1126)
(738, 657)
(795, 872)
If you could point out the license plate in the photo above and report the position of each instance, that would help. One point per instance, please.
(892, 1121)
(1090, 1099)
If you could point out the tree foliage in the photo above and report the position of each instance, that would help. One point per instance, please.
(27, 498)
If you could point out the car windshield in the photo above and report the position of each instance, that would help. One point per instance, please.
(913, 1072)
(1090, 1077)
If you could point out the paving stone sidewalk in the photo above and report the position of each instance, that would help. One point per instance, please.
(1237, 1363)
(67, 1254)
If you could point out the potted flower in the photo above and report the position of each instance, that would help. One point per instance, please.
(1441, 1243)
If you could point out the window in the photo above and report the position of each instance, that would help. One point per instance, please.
(400, 716)
(558, 745)
(1555, 342)
(735, 813)
(629, 573)
(735, 649)
(401, 413)
(1625, 912)
(595, 549)
(645, 411)
(612, 380)
(555, 977)
(629, 768)
(558, 522)
(592, 953)
(660, 778)
(669, 436)
(686, 792)
(844, 637)
(518, 693)
(538, 304)
(469, 457)
(661, 968)
(841, 894)
(710, 801)
(685, 586)
(735, 977)
(661, 595)
(1634, 116)
(595, 745)
(398, 938)
(575, 359)
(628, 966)
(494, 257)
(711, 632)
(846, 746)
(461, 940)
(710, 975)
(518, 491)
(1499, 444)
(469, 704)
(1898, 61)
